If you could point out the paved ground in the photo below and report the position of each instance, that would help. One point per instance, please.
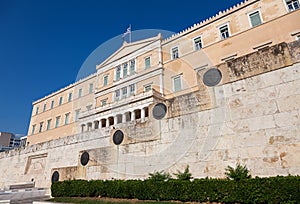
(23, 196)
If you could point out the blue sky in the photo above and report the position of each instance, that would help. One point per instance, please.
(43, 43)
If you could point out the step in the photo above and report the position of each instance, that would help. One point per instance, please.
(21, 186)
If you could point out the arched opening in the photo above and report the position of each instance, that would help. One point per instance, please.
(82, 128)
(119, 118)
(96, 124)
(55, 177)
(89, 126)
(146, 112)
(103, 123)
(111, 121)
(137, 114)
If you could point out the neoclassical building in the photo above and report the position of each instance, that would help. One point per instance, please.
(222, 91)
(140, 74)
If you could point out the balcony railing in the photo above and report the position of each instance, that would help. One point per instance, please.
(122, 101)
(128, 99)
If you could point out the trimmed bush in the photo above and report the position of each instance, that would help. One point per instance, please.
(255, 190)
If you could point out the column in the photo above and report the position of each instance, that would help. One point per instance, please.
(115, 120)
(132, 115)
(107, 122)
(124, 118)
(143, 114)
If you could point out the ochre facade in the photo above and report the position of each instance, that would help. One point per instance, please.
(114, 84)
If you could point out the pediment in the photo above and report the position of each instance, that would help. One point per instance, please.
(128, 48)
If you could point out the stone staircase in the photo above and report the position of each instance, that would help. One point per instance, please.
(22, 186)
(23, 193)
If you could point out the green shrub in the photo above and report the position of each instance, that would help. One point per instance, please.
(253, 190)
(186, 175)
(159, 176)
(237, 173)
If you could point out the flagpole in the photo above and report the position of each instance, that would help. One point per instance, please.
(130, 34)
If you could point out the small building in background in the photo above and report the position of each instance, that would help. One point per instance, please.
(9, 141)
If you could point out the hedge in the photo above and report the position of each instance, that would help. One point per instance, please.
(256, 190)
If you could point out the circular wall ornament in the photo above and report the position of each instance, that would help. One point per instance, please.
(55, 176)
(85, 157)
(212, 77)
(118, 137)
(159, 111)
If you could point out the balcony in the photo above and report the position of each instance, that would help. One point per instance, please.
(121, 104)
(129, 100)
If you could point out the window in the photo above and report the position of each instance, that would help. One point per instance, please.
(37, 110)
(132, 89)
(44, 108)
(174, 53)
(125, 69)
(33, 129)
(60, 100)
(70, 97)
(118, 73)
(177, 83)
(77, 114)
(67, 118)
(124, 92)
(148, 88)
(89, 107)
(224, 32)
(79, 93)
(292, 4)
(255, 19)
(41, 127)
(117, 94)
(132, 66)
(52, 104)
(105, 80)
(57, 121)
(198, 43)
(91, 88)
(49, 124)
(147, 62)
(103, 102)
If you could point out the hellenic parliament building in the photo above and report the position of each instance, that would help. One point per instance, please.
(222, 91)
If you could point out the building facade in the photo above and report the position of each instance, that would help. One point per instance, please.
(156, 69)
(57, 115)
(223, 91)
(9, 141)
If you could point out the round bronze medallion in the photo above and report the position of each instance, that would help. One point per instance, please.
(85, 157)
(212, 77)
(159, 111)
(118, 137)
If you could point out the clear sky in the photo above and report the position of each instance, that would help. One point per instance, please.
(43, 43)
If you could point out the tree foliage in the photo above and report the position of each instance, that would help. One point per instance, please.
(159, 176)
(237, 173)
(186, 175)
